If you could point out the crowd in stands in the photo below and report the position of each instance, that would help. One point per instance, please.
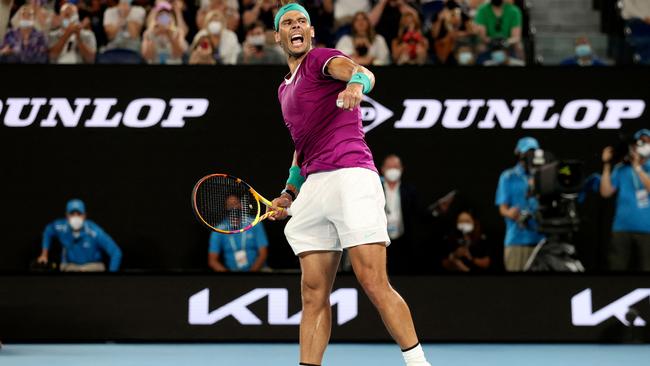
(373, 32)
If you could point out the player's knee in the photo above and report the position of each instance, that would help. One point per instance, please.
(374, 285)
(314, 294)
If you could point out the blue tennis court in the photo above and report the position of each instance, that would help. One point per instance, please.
(336, 355)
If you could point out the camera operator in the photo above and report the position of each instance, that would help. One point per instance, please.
(630, 241)
(517, 206)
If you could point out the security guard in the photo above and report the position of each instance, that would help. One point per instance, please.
(82, 242)
(517, 207)
(630, 243)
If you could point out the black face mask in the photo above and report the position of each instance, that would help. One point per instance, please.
(497, 2)
(362, 50)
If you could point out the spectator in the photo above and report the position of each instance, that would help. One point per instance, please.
(228, 9)
(163, 42)
(364, 45)
(82, 242)
(517, 208)
(630, 243)
(402, 214)
(24, 44)
(344, 10)
(321, 13)
(244, 252)
(260, 11)
(500, 21)
(465, 56)
(202, 52)
(584, 55)
(637, 17)
(224, 41)
(410, 46)
(256, 51)
(499, 56)
(386, 16)
(177, 7)
(452, 25)
(123, 25)
(468, 247)
(72, 43)
(44, 18)
(5, 10)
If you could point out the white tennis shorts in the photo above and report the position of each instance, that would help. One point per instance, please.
(338, 209)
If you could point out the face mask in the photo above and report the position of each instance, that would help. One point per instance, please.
(583, 50)
(214, 27)
(499, 57)
(465, 227)
(125, 2)
(392, 175)
(644, 150)
(464, 58)
(362, 50)
(164, 19)
(65, 23)
(26, 23)
(76, 222)
(497, 2)
(256, 40)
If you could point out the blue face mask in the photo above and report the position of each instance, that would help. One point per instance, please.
(464, 58)
(499, 57)
(583, 50)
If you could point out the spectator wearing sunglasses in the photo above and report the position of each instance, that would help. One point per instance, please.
(499, 20)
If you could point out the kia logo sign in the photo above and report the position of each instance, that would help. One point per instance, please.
(529, 114)
(583, 314)
(139, 113)
(345, 299)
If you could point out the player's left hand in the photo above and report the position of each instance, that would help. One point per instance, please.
(351, 97)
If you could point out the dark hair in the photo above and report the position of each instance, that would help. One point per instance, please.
(254, 25)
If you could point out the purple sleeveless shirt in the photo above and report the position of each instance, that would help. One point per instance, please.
(326, 137)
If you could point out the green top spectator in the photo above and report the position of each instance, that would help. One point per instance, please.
(499, 20)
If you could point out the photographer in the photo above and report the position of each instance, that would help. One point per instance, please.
(410, 46)
(630, 243)
(163, 42)
(467, 246)
(517, 206)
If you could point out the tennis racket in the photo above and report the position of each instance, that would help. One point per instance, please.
(227, 204)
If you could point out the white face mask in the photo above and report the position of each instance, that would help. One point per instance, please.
(256, 40)
(393, 174)
(465, 227)
(214, 27)
(26, 23)
(644, 150)
(76, 222)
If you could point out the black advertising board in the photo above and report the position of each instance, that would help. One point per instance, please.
(524, 308)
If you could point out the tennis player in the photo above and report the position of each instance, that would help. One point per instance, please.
(341, 203)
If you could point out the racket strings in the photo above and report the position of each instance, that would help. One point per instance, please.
(225, 203)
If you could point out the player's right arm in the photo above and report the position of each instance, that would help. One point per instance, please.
(285, 199)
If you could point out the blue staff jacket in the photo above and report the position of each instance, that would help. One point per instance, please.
(86, 246)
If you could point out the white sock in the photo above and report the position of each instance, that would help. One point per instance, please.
(415, 357)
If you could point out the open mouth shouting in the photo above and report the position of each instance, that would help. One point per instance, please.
(297, 40)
